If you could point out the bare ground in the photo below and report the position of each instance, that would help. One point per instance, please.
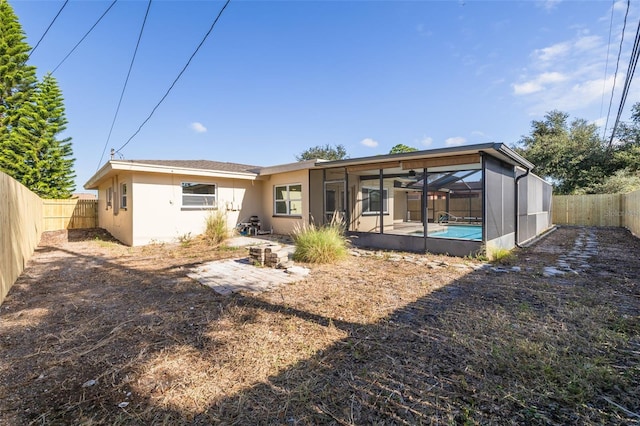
(97, 333)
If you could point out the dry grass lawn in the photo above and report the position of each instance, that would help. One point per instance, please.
(97, 333)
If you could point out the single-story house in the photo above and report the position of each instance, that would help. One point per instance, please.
(458, 200)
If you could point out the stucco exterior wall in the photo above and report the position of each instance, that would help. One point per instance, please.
(285, 224)
(159, 215)
(113, 218)
(364, 222)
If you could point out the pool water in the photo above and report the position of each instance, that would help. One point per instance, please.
(463, 232)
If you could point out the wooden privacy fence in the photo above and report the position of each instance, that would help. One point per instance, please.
(598, 210)
(69, 214)
(588, 210)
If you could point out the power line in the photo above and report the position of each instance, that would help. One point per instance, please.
(615, 75)
(177, 78)
(84, 36)
(633, 62)
(133, 58)
(48, 28)
(606, 64)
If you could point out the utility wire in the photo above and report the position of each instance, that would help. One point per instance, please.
(633, 62)
(84, 36)
(124, 88)
(177, 78)
(615, 75)
(606, 64)
(48, 28)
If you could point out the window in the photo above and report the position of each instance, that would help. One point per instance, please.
(198, 195)
(288, 200)
(123, 196)
(371, 201)
(109, 196)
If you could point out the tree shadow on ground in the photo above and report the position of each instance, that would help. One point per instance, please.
(484, 348)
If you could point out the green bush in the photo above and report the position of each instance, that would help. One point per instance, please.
(319, 244)
(216, 230)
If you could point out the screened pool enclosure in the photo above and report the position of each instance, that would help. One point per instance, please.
(458, 201)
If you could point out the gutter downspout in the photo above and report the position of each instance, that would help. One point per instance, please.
(518, 204)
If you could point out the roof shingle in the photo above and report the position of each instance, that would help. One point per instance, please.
(203, 165)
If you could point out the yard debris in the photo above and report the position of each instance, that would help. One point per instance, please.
(361, 341)
(89, 383)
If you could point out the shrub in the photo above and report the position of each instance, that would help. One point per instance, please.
(502, 256)
(319, 244)
(216, 227)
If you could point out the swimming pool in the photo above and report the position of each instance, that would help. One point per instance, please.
(461, 232)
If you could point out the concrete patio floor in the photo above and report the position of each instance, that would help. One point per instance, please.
(234, 275)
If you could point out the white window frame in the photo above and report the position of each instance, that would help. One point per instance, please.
(287, 200)
(205, 197)
(123, 195)
(109, 197)
(384, 201)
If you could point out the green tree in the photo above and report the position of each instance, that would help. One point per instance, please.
(48, 160)
(625, 152)
(327, 152)
(571, 155)
(17, 83)
(32, 117)
(400, 148)
(620, 182)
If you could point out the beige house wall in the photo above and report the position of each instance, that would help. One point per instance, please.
(400, 205)
(371, 222)
(285, 224)
(112, 217)
(159, 215)
(154, 210)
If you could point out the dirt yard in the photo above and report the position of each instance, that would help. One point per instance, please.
(94, 332)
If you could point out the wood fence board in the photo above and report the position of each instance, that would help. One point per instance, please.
(70, 214)
(588, 210)
(631, 217)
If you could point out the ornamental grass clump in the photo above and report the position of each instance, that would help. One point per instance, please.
(323, 244)
(216, 227)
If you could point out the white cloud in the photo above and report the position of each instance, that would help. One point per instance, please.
(549, 4)
(620, 5)
(455, 141)
(369, 142)
(567, 75)
(526, 88)
(426, 141)
(553, 52)
(538, 83)
(198, 127)
(478, 133)
(600, 122)
(587, 43)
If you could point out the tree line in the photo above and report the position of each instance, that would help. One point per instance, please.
(32, 118)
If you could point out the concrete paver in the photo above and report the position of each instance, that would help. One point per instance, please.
(233, 275)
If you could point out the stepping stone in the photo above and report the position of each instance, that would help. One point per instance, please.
(550, 271)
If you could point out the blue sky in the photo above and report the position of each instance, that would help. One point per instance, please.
(277, 77)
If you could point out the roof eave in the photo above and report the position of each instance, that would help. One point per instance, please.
(131, 166)
(491, 148)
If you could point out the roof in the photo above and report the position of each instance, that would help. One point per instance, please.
(290, 167)
(498, 150)
(202, 165)
(245, 171)
(205, 168)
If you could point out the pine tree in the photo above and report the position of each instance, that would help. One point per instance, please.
(32, 117)
(48, 161)
(17, 83)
